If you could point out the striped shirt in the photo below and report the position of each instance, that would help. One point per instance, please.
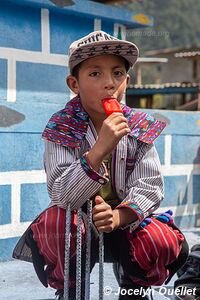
(136, 174)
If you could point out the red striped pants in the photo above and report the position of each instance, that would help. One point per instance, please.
(153, 248)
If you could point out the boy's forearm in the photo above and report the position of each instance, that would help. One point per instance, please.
(95, 158)
(123, 217)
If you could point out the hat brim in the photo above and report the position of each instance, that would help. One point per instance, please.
(125, 49)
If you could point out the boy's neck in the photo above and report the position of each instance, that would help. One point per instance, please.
(97, 125)
(97, 122)
(96, 118)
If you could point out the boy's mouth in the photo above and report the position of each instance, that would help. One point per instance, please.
(108, 96)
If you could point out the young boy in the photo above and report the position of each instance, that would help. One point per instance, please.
(112, 161)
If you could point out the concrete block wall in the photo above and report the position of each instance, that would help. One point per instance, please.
(179, 151)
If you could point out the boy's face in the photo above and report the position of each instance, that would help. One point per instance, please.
(99, 77)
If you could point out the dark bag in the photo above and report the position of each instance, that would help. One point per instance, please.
(189, 274)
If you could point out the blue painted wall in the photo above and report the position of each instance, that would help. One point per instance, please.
(160, 147)
(174, 185)
(5, 204)
(46, 83)
(19, 27)
(64, 30)
(185, 149)
(3, 79)
(40, 91)
(34, 196)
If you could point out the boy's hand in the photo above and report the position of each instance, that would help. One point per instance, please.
(103, 216)
(113, 129)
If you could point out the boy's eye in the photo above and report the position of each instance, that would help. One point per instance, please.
(93, 74)
(119, 73)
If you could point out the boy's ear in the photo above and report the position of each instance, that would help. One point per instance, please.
(72, 84)
(127, 79)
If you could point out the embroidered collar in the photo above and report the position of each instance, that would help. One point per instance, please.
(68, 126)
(143, 126)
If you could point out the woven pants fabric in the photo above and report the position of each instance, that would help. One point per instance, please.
(154, 248)
(49, 234)
(144, 255)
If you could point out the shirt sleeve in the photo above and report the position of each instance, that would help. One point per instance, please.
(145, 188)
(70, 178)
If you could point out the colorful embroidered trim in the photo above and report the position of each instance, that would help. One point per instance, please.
(90, 172)
(143, 126)
(68, 126)
(134, 207)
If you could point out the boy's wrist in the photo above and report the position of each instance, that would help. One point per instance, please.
(95, 157)
(122, 217)
(116, 219)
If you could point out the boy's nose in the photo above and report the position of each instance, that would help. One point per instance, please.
(109, 83)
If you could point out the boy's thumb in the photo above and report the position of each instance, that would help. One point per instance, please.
(99, 200)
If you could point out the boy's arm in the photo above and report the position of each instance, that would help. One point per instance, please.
(70, 178)
(144, 184)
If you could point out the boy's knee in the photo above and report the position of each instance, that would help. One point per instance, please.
(158, 241)
(167, 242)
(50, 225)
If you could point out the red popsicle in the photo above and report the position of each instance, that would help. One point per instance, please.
(111, 105)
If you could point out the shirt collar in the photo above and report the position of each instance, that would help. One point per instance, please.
(68, 126)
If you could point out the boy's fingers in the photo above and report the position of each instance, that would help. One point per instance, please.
(102, 216)
(99, 200)
(115, 119)
(106, 229)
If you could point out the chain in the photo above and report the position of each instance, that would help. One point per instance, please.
(88, 250)
(101, 262)
(67, 253)
(78, 255)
